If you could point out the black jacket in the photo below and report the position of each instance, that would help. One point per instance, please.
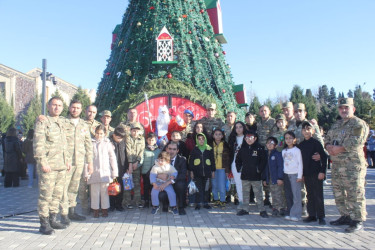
(120, 151)
(202, 164)
(181, 166)
(251, 161)
(308, 149)
(12, 154)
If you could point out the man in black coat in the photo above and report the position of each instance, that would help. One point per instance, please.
(180, 164)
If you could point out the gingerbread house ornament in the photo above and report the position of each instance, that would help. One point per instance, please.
(164, 46)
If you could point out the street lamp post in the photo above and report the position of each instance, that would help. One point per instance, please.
(44, 76)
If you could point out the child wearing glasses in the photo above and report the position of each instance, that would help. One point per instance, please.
(250, 162)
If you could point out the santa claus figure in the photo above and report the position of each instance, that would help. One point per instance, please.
(164, 125)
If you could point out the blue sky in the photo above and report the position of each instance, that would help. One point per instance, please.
(275, 44)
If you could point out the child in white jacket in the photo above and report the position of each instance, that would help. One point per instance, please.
(104, 171)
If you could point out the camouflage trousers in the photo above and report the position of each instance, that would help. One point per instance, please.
(84, 193)
(72, 182)
(127, 200)
(278, 196)
(258, 192)
(51, 189)
(348, 183)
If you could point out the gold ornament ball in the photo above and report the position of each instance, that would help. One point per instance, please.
(139, 24)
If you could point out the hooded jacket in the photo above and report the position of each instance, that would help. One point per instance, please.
(202, 163)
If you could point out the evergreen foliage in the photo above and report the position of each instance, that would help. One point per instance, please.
(296, 96)
(33, 111)
(200, 58)
(254, 106)
(7, 118)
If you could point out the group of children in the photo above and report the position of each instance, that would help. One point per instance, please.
(251, 164)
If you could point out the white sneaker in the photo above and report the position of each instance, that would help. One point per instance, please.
(294, 219)
(287, 217)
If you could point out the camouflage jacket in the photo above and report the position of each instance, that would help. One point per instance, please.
(92, 125)
(291, 123)
(297, 130)
(126, 126)
(279, 135)
(227, 130)
(109, 132)
(50, 143)
(79, 142)
(134, 148)
(352, 136)
(187, 130)
(211, 124)
(264, 130)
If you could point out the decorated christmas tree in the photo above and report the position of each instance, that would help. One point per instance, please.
(167, 48)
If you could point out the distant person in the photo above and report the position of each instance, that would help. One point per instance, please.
(13, 157)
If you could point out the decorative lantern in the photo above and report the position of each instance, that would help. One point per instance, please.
(164, 46)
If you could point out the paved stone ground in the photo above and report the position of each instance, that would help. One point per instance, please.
(204, 229)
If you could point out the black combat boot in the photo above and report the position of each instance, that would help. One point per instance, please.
(354, 226)
(45, 227)
(54, 223)
(65, 220)
(74, 216)
(343, 220)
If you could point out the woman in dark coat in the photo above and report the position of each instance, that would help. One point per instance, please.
(12, 157)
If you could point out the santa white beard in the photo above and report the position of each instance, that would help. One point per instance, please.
(162, 123)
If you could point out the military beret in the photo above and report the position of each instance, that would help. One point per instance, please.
(346, 102)
(188, 111)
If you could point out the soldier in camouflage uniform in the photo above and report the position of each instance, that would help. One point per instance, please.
(132, 116)
(288, 111)
(80, 148)
(83, 190)
(264, 130)
(279, 132)
(106, 119)
(344, 142)
(135, 146)
(188, 119)
(300, 116)
(53, 160)
(227, 128)
(210, 122)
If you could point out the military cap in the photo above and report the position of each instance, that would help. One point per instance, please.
(300, 106)
(280, 117)
(249, 113)
(135, 126)
(306, 123)
(287, 105)
(107, 113)
(211, 106)
(346, 102)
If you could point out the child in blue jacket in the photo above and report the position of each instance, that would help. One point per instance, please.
(273, 177)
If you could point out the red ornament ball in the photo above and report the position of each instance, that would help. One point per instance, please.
(169, 75)
(152, 8)
(189, 31)
(224, 53)
(201, 11)
(108, 73)
(223, 90)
